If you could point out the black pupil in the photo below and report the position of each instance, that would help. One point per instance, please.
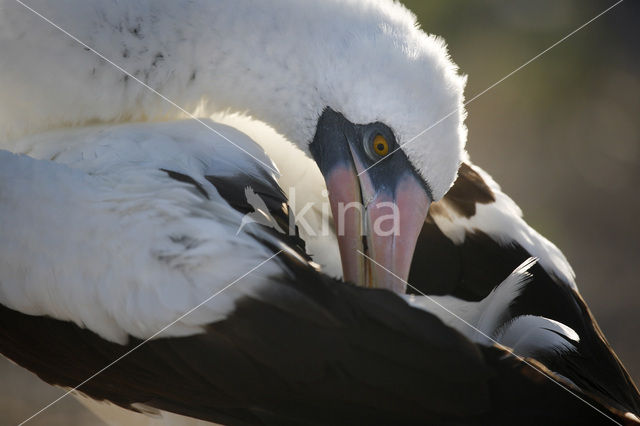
(380, 147)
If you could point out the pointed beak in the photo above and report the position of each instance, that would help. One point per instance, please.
(377, 228)
(378, 210)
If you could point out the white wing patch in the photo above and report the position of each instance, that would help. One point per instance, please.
(486, 321)
(531, 336)
(482, 317)
(104, 238)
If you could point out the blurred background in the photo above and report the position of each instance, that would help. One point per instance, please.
(562, 137)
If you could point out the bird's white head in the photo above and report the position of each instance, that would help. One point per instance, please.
(367, 60)
(395, 74)
(381, 110)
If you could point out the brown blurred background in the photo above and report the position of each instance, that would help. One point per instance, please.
(562, 137)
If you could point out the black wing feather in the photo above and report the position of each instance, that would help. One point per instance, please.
(374, 360)
(471, 269)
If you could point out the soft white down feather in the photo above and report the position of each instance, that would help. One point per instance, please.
(114, 244)
(281, 61)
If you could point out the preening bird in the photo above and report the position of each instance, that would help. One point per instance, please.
(471, 241)
(152, 234)
(113, 230)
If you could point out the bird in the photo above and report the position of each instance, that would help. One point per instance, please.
(286, 344)
(100, 199)
(472, 240)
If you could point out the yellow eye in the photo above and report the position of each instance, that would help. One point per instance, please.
(380, 145)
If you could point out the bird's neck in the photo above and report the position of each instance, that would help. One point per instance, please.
(162, 61)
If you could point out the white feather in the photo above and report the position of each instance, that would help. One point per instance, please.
(282, 61)
(477, 320)
(112, 242)
(485, 322)
(495, 307)
(532, 336)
